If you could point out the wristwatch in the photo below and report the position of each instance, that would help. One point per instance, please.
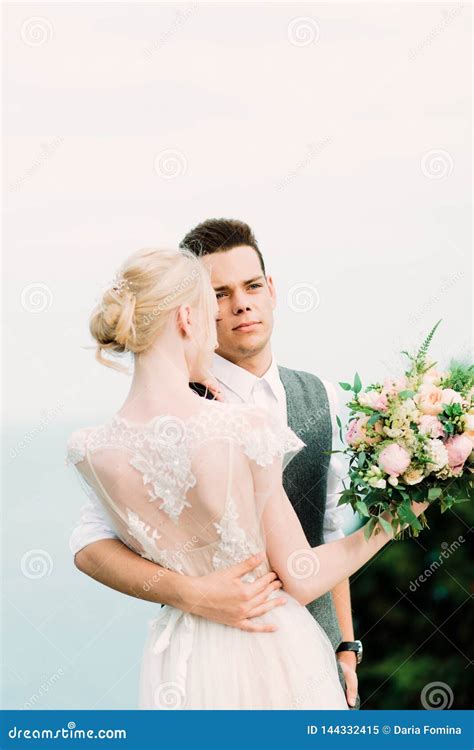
(355, 646)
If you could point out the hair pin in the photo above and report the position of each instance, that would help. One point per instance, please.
(120, 283)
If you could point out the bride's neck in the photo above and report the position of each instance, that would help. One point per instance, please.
(160, 380)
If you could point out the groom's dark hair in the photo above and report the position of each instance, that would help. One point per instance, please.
(219, 235)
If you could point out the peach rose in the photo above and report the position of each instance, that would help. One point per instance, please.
(394, 459)
(429, 399)
(413, 476)
(459, 448)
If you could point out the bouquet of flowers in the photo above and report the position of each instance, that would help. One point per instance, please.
(410, 439)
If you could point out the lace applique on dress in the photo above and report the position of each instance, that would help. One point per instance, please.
(76, 448)
(259, 431)
(160, 454)
(234, 545)
(141, 532)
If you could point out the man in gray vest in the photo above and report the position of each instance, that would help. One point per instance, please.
(245, 371)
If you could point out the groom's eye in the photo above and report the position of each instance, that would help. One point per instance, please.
(254, 285)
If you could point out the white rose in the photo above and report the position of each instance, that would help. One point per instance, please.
(438, 454)
(379, 484)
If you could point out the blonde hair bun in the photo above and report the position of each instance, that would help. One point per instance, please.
(151, 284)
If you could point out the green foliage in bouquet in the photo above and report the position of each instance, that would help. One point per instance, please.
(410, 440)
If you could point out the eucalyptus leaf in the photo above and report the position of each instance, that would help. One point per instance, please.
(346, 386)
(385, 525)
(369, 527)
(362, 508)
(374, 418)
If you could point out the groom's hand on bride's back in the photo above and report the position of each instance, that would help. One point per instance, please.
(223, 597)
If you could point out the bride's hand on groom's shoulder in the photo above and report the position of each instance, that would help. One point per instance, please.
(223, 597)
(213, 386)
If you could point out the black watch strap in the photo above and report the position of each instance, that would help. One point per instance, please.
(355, 646)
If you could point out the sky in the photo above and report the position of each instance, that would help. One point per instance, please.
(340, 132)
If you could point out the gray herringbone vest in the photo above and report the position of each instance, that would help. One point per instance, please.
(305, 477)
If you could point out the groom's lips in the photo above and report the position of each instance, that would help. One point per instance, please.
(249, 326)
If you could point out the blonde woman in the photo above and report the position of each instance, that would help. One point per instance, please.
(196, 486)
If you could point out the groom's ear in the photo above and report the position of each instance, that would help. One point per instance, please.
(271, 290)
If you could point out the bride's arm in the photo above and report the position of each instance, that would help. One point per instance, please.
(307, 573)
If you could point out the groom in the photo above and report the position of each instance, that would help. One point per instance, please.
(246, 372)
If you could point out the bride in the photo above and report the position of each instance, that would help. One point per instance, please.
(196, 486)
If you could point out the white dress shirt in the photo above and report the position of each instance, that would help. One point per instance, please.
(238, 386)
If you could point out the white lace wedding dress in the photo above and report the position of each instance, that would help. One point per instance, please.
(189, 494)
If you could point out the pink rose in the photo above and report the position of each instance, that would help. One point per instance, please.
(392, 387)
(459, 448)
(357, 432)
(375, 400)
(429, 399)
(431, 426)
(394, 459)
(449, 396)
(433, 376)
(469, 427)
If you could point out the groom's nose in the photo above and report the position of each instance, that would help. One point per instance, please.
(240, 302)
(240, 306)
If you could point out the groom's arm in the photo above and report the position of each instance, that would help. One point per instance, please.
(220, 596)
(333, 530)
(342, 604)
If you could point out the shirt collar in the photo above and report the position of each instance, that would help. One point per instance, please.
(242, 381)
